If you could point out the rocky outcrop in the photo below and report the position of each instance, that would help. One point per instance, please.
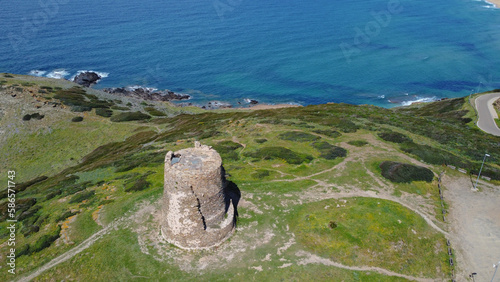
(87, 78)
(146, 93)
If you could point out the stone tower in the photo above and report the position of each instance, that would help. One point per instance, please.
(196, 214)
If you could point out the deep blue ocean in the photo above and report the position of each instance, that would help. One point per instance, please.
(381, 52)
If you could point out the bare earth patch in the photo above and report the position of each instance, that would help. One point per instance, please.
(475, 226)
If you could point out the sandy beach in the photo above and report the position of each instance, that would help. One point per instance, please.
(495, 2)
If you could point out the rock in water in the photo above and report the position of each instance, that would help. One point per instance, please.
(146, 93)
(87, 78)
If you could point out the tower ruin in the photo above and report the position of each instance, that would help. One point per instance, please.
(196, 214)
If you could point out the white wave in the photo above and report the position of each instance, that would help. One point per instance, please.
(381, 96)
(135, 87)
(419, 100)
(101, 74)
(37, 72)
(58, 73)
(489, 5)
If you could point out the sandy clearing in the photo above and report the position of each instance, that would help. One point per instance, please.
(475, 226)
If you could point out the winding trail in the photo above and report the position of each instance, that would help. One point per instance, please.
(487, 113)
(306, 258)
(71, 253)
(312, 258)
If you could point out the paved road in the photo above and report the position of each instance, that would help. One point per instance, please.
(486, 113)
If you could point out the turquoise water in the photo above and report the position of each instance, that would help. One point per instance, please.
(273, 51)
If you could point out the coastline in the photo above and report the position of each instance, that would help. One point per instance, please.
(496, 3)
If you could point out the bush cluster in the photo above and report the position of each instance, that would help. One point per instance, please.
(23, 186)
(328, 132)
(80, 197)
(329, 151)
(394, 137)
(120, 108)
(45, 241)
(65, 215)
(77, 119)
(154, 112)
(405, 173)
(139, 185)
(298, 136)
(261, 173)
(130, 116)
(103, 112)
(271, 153)
(33, 116)
(227, 150)
(79, 100)
(358, 143)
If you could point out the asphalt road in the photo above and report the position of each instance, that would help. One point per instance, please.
(486, 113)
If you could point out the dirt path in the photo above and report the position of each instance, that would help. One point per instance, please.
(380, 194)
(311, 258)
(475, 221)
(66, 256)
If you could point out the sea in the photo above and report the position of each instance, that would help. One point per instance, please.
(381, 52)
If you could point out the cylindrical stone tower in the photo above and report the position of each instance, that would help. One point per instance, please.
(194, 203)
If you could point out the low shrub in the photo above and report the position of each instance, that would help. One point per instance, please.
(139, 185)
(65, 215)
(119, 108)
(24, 250)
(329, 151)
(433, 155)
(45, 241)
(82, 196)
(23, 186)
(328, 132)
(77, 119)
(357, 143)
(53, 194)
(260, 140)
(33, 116)
(103, 112)
(261, 173)
(80, 109)
(8, 75)
(132, 161)
(405, 173)
(27, 230)
(130, 116)
(270, 153)
(29, 213)
(298, 136)
(154, 112)
(394, 137)
(227, 150)
(22, 205)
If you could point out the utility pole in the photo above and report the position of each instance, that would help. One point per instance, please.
(475, 186)
(496, 268)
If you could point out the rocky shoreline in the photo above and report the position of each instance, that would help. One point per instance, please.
(145, 93)
(90, 78)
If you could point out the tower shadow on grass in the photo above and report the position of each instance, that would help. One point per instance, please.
(232, 193)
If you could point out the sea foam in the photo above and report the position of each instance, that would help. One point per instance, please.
(37, 72)
(420, 100)
(58, 73)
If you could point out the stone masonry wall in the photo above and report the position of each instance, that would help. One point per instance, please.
(194, 204)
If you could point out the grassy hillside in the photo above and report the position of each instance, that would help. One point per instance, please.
(295, 167)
